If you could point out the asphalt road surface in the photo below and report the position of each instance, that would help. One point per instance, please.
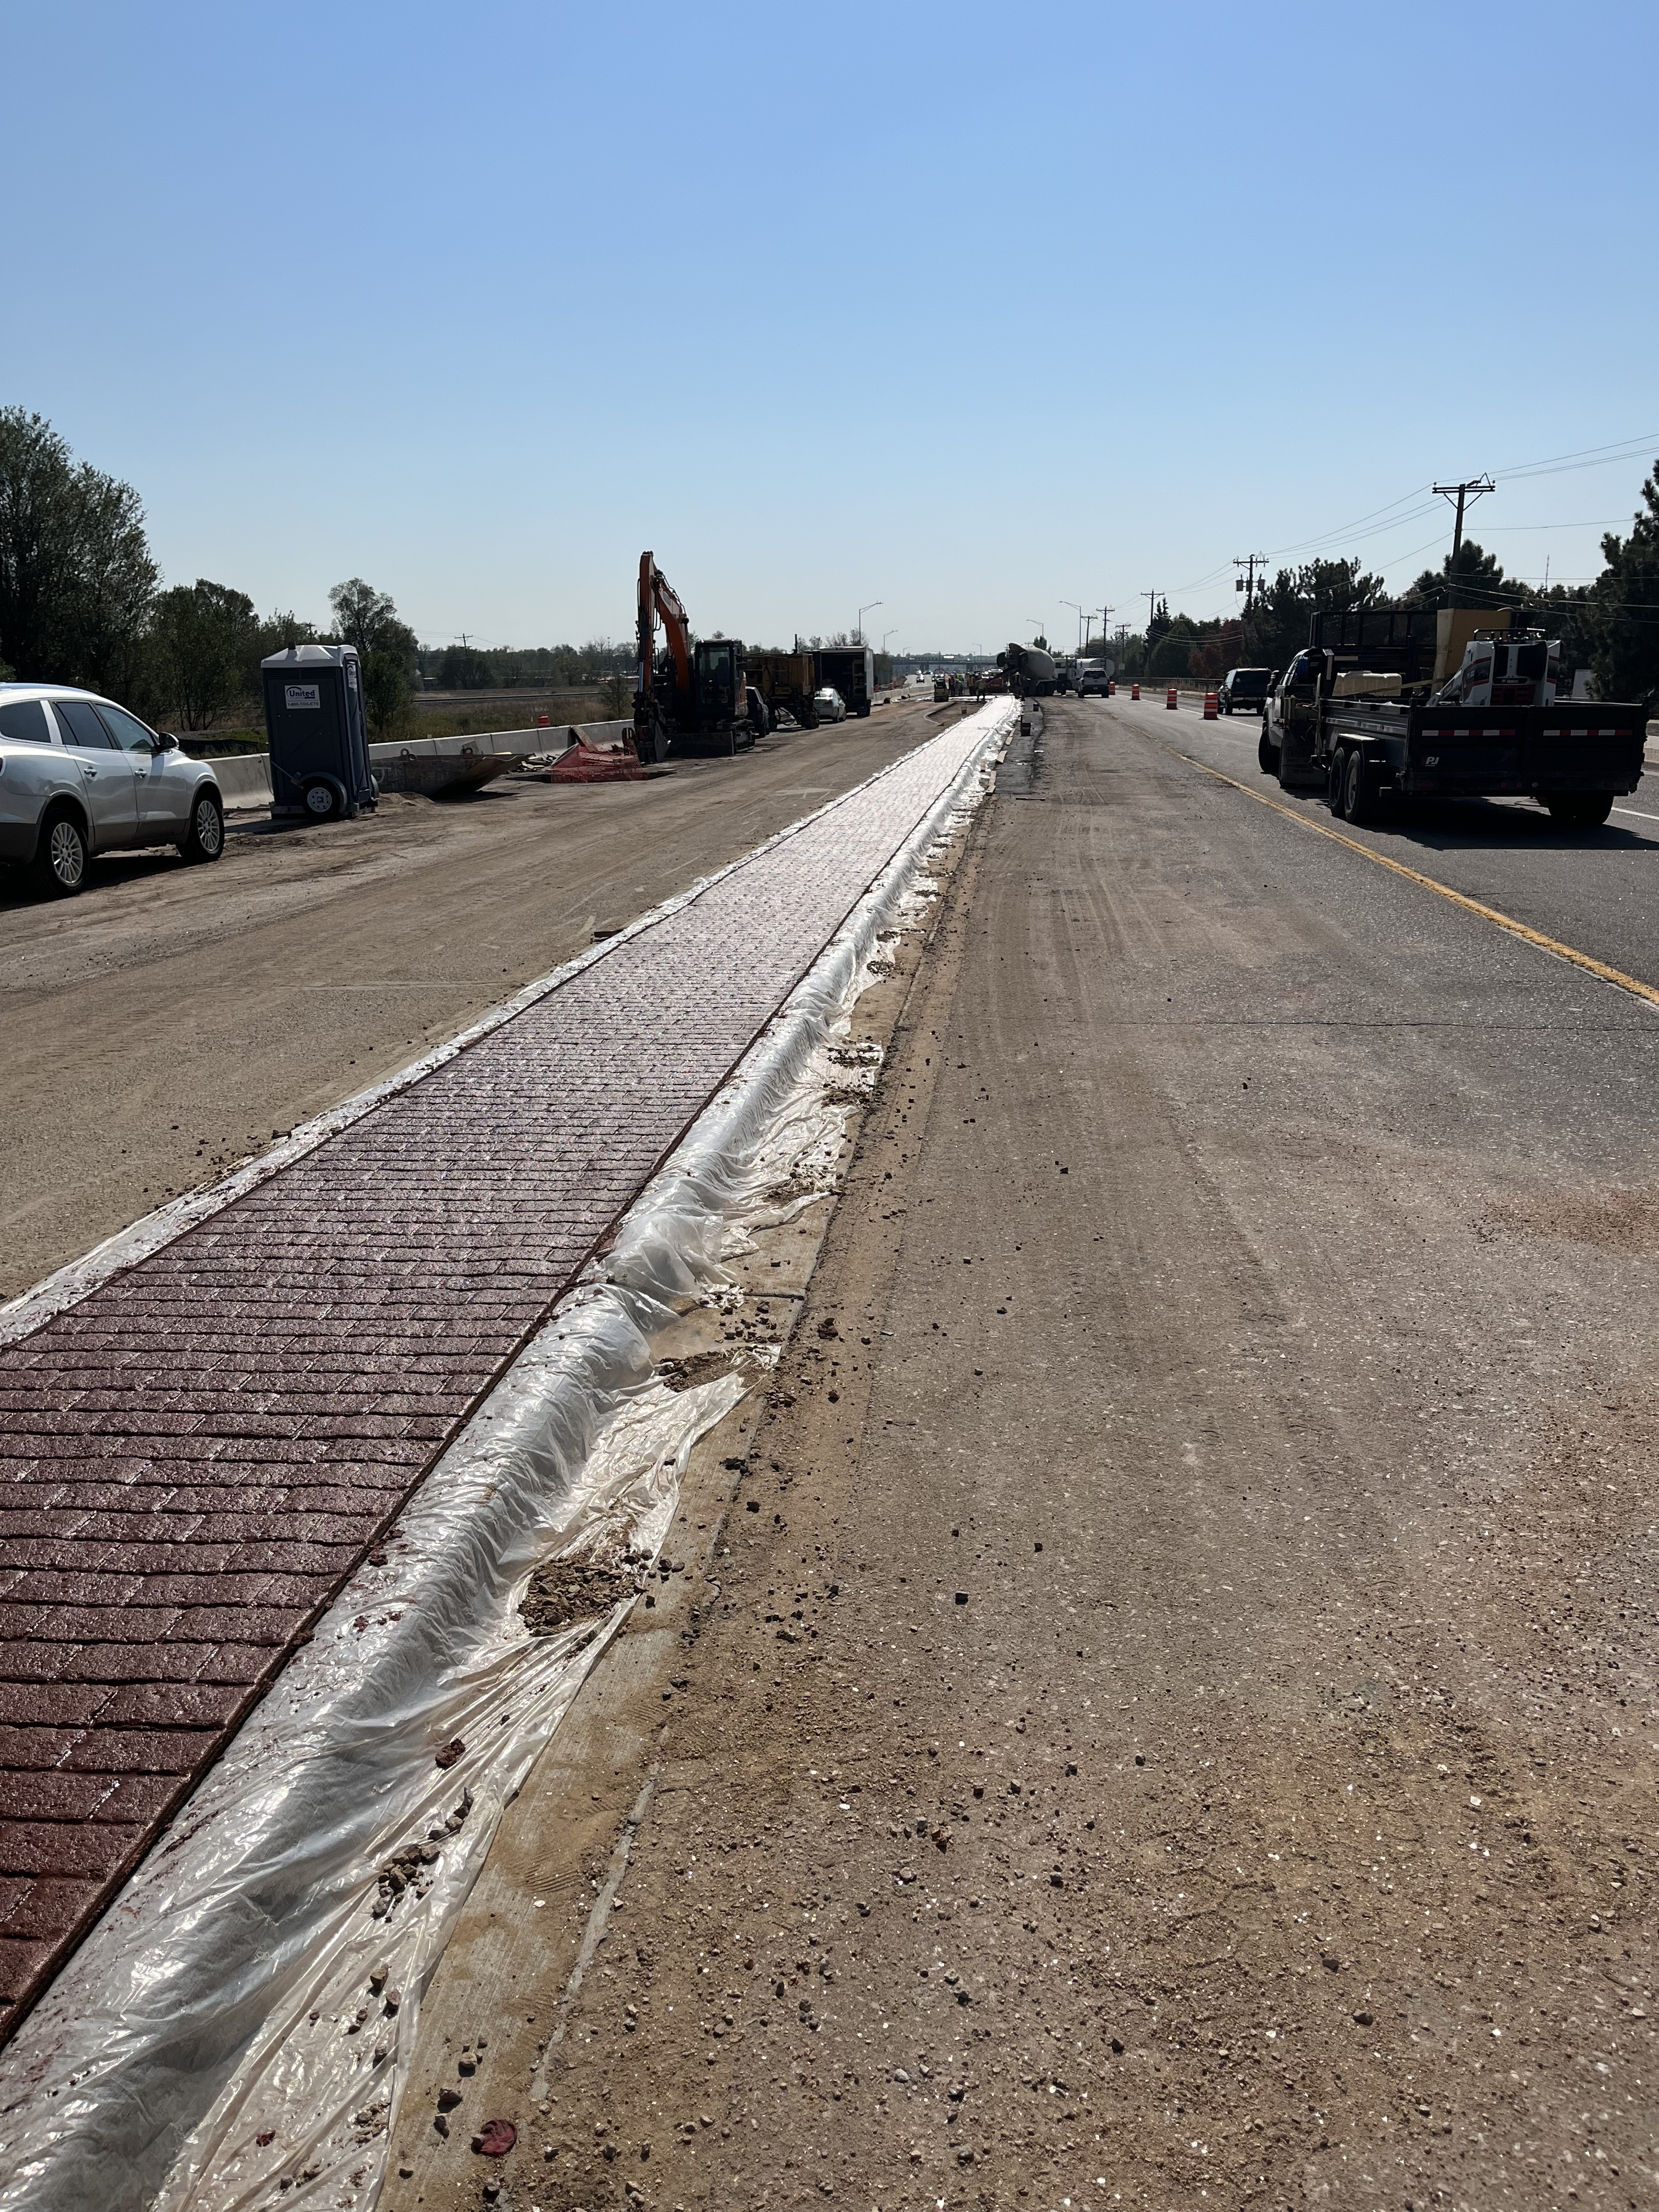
(1181, 1725)
(1591, 889)
(164, 1025)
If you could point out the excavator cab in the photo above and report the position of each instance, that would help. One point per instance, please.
(721, 699)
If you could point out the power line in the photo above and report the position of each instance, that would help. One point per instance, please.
(1623, 449)
(1587, 457)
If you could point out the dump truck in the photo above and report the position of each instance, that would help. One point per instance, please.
(693, 696)
(850, 669)
(1371, 705)
(786, 681)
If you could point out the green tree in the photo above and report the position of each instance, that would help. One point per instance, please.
(463, 668)
(200, 636)
(76, 577)
(1477, 579)
(1624, 606)
(1276, 628)
(368, 619)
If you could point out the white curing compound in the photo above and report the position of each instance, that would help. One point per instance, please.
(182, 2031)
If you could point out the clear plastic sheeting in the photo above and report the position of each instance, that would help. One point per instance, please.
(237, 2030)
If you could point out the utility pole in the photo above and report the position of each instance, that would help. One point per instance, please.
(1461, 492)
(1249, 562)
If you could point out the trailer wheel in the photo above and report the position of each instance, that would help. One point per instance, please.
(1266, 752)
(1359, 788)
(1335, 777)
(1580, 810)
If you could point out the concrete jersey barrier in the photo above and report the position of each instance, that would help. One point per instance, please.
(244, 779)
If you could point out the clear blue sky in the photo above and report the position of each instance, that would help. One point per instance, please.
(968, 309)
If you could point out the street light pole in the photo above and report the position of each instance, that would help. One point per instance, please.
(1078, 612)
(858, 633)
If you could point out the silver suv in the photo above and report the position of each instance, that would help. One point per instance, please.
(80, 775)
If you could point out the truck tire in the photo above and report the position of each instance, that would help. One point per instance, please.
(1580, 810)
(60, 857)
(1334, 779)
(1359, 788)
(1267, 751)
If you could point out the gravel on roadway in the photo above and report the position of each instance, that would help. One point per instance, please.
(1180, 1725)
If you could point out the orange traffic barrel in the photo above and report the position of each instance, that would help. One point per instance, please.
(1171, 697)
(1111, 689)
(1211, 706)
(1134, 690)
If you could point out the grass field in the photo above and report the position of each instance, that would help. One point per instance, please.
(440, 715)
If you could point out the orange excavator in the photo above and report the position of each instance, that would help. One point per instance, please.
(693, 696)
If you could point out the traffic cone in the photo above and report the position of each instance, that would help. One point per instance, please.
(1211, 706)
(1134, 690)
(1172, 697)
(1111, 689)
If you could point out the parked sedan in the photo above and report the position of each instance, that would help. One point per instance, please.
(80, 775)
(829, 705)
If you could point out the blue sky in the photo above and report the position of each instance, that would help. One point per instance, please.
(971, 310)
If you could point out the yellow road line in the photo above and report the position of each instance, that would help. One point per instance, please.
(1616, 976)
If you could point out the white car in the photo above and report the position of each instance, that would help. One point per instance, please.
(829, 705)
(80, 775)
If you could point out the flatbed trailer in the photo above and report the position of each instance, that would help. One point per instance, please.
(1575, 757)
(1357, 714)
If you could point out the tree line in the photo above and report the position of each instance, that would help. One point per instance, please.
(82, 601)
(1610, 626)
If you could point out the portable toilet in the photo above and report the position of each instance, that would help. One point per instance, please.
(319, 737)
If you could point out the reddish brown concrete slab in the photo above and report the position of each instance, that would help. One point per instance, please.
(196, 1454)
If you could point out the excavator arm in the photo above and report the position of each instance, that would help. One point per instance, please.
(659, 597)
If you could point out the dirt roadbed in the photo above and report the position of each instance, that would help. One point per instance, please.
(1158, 1709)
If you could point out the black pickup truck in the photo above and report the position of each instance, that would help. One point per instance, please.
(1359, 713)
